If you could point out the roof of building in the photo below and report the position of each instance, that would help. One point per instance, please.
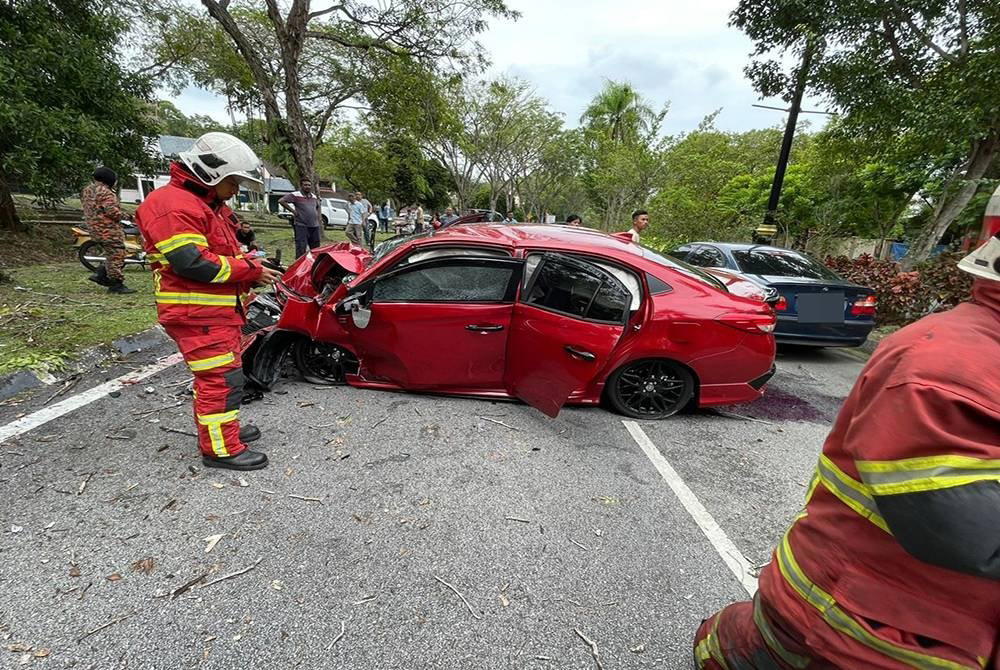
(172, 145)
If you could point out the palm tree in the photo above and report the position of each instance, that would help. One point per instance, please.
(620, 112)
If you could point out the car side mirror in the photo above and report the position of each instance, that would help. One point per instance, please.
(354, 305)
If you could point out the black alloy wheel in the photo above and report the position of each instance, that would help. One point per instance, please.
(650, 389)
(323, 363)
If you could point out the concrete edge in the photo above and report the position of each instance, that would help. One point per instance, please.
(25, 380)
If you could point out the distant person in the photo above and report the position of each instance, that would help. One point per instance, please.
(509, 219)
(355, 220)
(574, 220)
(385, 214)
(369, 220)
(103, 216)
(449, 216)
(640, 221)
(417, 214)
(306, 216)
(247, 237)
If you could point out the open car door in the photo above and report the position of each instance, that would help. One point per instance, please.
(569, 317)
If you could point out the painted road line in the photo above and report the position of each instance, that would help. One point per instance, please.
(733, 557)
(46, 414)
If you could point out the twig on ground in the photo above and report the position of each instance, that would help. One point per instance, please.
(102, 627)
(459, 594)
(83, 484)
(118, 437)
(343, 627)
(593, 648)
(167, 429)
(187, 586)
(516, 518)
(159, 409)
(380, 421)
(366, 599)
(70, 383)
(733, 415)
(232, 574)
(501, 423)
(582, 546)
(306, 498)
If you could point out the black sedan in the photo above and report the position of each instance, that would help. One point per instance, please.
(816, 307)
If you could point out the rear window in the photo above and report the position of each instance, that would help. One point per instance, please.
(683, 268)
(780, 263)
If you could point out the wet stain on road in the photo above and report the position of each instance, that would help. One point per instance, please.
(778, 405)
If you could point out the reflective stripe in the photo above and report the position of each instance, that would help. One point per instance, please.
(213, 362)
(180, 240)
(172, 298)
(223, 417)
(158, 258)
(709, 647)
(849, 491)
(213, 424)
(764, 627)
(927, 473)
(224, 271)
(841, 621)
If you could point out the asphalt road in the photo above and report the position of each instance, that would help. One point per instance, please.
(372, 502)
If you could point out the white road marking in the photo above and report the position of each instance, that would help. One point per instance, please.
(46, 414)
(733, 558)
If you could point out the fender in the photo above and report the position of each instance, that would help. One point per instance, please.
(264, 359)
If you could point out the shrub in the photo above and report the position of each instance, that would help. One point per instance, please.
(904, 297)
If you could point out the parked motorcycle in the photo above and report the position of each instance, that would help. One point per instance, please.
(91, 252)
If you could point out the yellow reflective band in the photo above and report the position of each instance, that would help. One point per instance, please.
(158, 258)
(213, 362)
(224, 417)
(224, 271)
(926, 473)
(217, 439)
(764, 627)
(171, 298)
(849, 491)
(844, 623)
(178, 241)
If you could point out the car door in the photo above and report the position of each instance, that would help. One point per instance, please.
(566, 323)
(440, 323)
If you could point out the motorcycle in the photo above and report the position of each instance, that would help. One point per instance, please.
(91, 252)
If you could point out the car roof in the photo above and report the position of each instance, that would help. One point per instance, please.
(537, 236)
(743, 246)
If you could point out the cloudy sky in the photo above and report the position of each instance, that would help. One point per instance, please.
(681, 51)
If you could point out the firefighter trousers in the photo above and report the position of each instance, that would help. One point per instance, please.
(212, 353)
(749, 636)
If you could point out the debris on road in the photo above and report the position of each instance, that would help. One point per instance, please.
(232, 574)
(306, 498)
(459, 594)
(102, 627)
(366, 599)
(144, 565)
(212, 541)
(186, 586)
(593, 648)
(168, 429)
(582, 546)
(83, 484)
(733, 415)
(343, 627)
(516, 518)
(501, 423)
(638, 649)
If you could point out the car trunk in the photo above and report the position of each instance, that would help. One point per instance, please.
(818, 308)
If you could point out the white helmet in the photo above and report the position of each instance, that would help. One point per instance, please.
(215, 156)
(984, 262)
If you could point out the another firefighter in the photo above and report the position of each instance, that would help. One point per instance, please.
(895, 561)
(103, 215)
(199, 275)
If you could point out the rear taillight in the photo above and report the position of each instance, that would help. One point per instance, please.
(864, 306)
(751, 323)
(781, 305)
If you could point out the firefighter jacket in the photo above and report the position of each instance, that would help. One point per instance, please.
(198, 271)
(100, 207)
(895, 561)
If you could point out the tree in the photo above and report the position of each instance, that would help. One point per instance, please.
(918, 75)
(172, 121)
(620, 114)
(67, 105)
(306, 65)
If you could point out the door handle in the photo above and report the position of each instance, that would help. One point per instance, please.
(580, 353)
(484, 329)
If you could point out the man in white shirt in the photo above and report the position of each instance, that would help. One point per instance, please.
(640, 220)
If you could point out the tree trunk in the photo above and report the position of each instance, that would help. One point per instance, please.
(949, 206)
(9, 219)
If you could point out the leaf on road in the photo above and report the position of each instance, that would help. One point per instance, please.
(74, 571)
(606, 500)
(218, 485)
(42, 653)
(18, 647)
(277, 585)
(144, 565)
(212, 541)
(114, 577)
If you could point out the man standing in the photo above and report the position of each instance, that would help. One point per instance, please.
(355, 217)
(449, 216)
(368, 223)
(640, 221)
(895, 561)
(307, 216)
(103, 215)
(199, 275)
(510, 220)
(384, 214)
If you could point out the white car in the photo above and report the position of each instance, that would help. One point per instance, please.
(334, 212)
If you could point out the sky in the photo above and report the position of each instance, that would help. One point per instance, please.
(677, 51)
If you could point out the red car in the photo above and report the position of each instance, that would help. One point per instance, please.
(546, 314)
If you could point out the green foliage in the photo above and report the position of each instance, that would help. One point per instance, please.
(67, 105)
(172, 121)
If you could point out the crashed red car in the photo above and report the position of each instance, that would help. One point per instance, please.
(546, 314)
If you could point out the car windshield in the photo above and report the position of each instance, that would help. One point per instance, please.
(385, 248)
(682, 267)
(781, 263)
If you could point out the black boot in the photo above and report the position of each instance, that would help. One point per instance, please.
(245, 460)
(119, 287)
(100, 277)
(249, 433)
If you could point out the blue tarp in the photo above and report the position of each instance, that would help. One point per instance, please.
(899, 250)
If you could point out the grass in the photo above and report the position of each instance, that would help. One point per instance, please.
(61, 312)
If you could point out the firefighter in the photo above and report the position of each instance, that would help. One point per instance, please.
(103, 215)
(895, 560)
(199, 276)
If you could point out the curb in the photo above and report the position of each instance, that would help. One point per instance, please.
(25, 380)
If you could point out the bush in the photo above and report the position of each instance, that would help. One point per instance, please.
(904, 297)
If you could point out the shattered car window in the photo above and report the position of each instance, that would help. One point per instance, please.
(571, 288)
(446, 283)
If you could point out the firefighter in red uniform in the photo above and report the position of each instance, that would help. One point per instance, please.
(895, 560)
(199, 276)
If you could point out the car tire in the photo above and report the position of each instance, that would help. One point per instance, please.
(651, 388)
(91, 255)
(326, 221)
(324, 364)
